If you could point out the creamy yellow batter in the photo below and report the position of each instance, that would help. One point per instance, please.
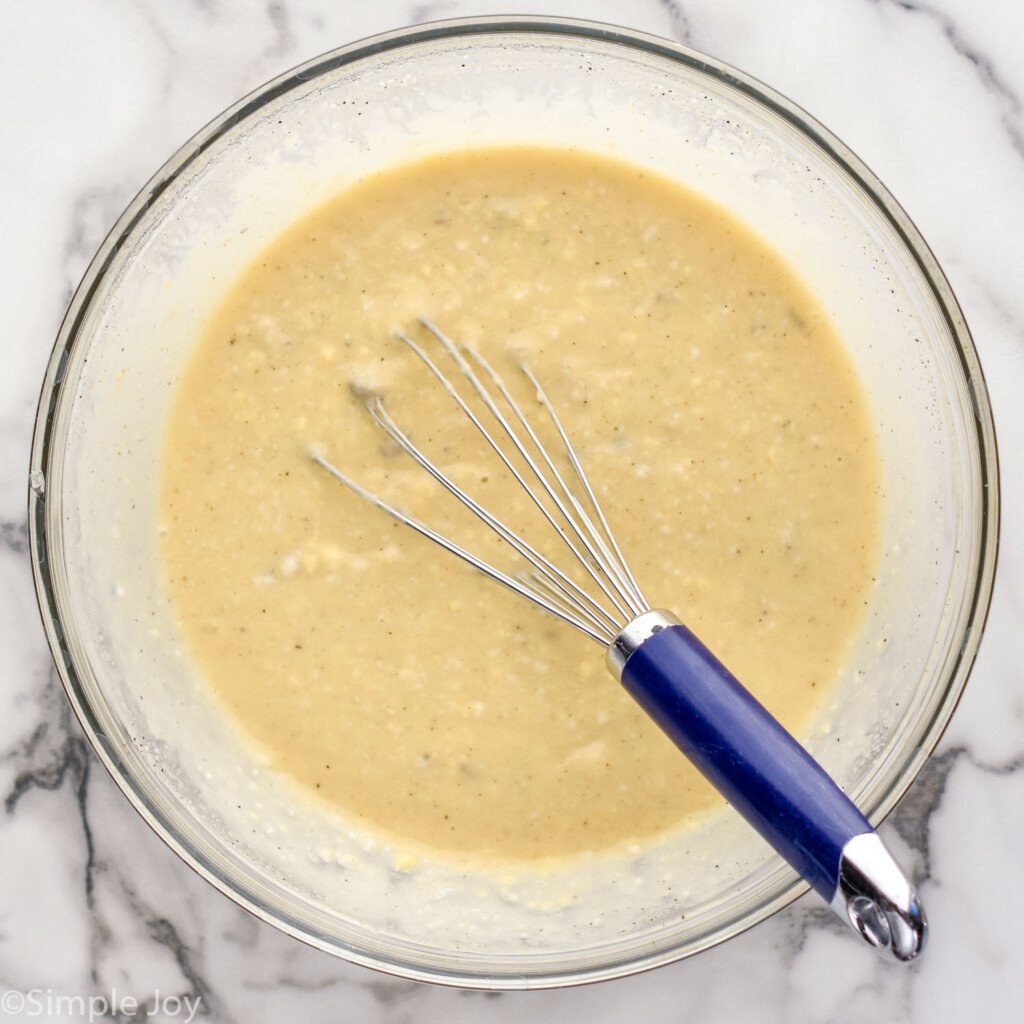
(709, 397)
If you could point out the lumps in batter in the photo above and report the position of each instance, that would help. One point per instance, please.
(713, 406)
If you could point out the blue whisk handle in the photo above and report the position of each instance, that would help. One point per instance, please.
(769, 778)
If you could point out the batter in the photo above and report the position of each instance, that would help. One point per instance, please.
(712, 404)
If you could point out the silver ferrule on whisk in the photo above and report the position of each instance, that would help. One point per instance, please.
(634, 635)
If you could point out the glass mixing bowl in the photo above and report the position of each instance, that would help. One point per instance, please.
(251, 173)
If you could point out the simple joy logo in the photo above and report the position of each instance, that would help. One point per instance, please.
(51, 1005)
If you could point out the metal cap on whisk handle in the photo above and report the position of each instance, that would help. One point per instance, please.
(734, 741)
(769, 778)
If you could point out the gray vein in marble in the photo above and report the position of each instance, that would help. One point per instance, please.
(169, 49)
(912, 818)
(1000, 768)
(165, 934)
(420, 13)
(94, 212)
(385, 991)
(245, 932)
(301, 985)
(14, 536)
(811, 920)
(198, 992)
(284, 38)
(56, 753)
(678, 20)
(69, 758)
(986, 70)
(390, 992)
(55, 756)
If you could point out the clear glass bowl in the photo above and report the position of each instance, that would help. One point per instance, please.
(292, 144)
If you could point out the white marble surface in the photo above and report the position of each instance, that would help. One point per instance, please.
(95, 95)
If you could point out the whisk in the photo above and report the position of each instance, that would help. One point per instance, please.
(734, 741)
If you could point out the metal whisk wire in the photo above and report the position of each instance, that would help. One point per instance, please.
(586, 534)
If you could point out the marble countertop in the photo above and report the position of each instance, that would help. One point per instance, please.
(96, 94)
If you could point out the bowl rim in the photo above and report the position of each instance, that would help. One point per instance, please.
(53, 394)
